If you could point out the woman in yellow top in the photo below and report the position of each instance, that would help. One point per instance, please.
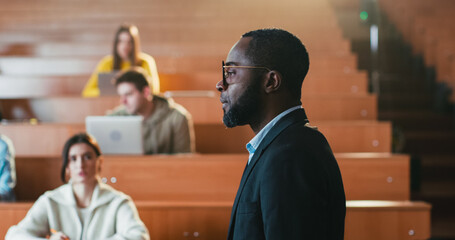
(126, 53)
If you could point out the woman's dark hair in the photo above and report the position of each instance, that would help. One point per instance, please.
(134, 55)
(78, 138)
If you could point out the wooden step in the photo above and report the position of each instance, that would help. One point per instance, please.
(214, 177)
(204, 106)
(375, 220)
(365, 136)
(13, 86)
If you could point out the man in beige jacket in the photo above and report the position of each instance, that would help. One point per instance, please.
(167, 126)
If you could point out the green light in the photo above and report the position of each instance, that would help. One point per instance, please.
(364, 15)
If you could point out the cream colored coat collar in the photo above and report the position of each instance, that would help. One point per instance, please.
(102, 194)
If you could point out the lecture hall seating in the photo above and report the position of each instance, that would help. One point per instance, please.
(366, 176)
(204, 106)
(12, 87)
(368, 136)
(375, 220)
(57, 44)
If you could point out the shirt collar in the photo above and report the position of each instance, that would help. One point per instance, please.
(253, 144)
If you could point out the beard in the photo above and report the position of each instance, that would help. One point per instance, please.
(245, 108)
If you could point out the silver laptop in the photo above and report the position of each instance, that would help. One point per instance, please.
(106, 83)
(117, 134)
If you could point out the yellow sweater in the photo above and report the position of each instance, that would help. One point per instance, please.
(106, 64)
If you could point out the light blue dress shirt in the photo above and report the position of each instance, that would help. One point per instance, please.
(253, 144)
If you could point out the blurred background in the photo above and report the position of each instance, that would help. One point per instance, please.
(388, 64)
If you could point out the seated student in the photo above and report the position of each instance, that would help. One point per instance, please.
(7, 169)
(84, 207)
(168, 127)
(126, 53)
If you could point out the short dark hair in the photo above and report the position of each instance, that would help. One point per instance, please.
(78, 138)
(280, 50)
(136, 76)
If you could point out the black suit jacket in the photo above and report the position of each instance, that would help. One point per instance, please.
(292, 188)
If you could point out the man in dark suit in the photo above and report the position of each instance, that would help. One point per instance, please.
(291, 187)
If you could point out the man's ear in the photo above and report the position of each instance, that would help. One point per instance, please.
(273, 81)
(146, 92)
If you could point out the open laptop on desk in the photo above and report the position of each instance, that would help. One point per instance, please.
(117, 134)
(106, 83)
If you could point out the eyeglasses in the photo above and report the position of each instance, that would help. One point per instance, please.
(225, 74)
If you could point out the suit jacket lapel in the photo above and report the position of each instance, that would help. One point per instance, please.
(297, 115)
(274, 132)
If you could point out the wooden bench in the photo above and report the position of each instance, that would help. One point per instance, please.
(27, 66)
(315, 83)
(37, 44)
(99, 48)
(211, 177)
(41, 86)
(12, 86)
(319, 107)
(59, 66)
(364, 136)
(176, 25)
(322, 16)
(374, 220)
(392, 220)
(39, 139)
(183, 28)
(166, 64)
(205, 107)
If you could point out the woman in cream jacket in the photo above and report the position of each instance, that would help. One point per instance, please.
(84, 208)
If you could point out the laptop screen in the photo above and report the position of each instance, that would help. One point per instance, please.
(117, 134)
(106, 83)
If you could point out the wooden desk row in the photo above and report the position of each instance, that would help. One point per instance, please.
(355, 136)
(320, 12)
(211, 177)
(319, 63)
(203, 28)
(12, 86)
(53, 11)
(37, 45)
(63, 66)
(373, 220)
(205, 107)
